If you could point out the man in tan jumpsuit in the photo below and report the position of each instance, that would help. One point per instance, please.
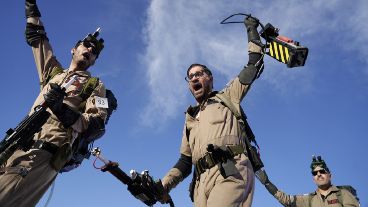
(28, 175)
(211, 126)
(326, 195)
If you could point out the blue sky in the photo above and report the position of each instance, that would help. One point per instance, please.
(319, 109)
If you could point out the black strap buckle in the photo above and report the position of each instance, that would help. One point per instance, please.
(48, 146)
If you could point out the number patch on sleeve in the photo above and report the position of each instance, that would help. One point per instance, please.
(101, 102)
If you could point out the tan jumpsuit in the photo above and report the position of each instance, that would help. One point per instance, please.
(29, 174)
(216, 125)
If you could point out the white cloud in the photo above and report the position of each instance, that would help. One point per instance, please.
(179, 33)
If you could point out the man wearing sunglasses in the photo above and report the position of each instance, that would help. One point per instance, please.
(212, 139)
(326, 195)
(28, 174)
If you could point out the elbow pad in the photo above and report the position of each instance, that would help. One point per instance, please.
(34, 33)
(184, 164)
(248, 75)
(253, 70)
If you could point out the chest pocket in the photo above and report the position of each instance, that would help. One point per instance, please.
(215, 113)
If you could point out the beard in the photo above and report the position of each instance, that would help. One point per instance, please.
(81, 62)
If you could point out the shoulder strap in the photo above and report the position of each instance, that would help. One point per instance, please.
(240, 115)
(349, 188)
(227, 102)
(247, 133)
(55, 71)
(88, 88)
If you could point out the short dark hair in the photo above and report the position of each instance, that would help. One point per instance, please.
(208, 71)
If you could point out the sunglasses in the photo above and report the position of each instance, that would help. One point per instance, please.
(323, 171)
(197, 74)
(88, 44)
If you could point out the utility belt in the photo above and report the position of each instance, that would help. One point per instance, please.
(222, 156)
(48, 146)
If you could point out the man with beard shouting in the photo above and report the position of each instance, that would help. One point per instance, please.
(212, 139)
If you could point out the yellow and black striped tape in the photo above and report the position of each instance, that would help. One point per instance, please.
(279, 52)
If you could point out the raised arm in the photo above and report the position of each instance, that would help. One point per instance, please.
(36, 37)
(238, 87)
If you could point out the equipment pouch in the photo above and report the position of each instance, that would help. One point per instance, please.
(254, 158)
(62, 156)
(228, 168)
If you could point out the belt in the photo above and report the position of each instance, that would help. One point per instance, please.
(48, 146)
(208, 160)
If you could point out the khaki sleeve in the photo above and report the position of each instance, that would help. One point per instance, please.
(185, 147)
(91, 111)
(43, 54)
(172, 179)
(235, 90)
(291, 200)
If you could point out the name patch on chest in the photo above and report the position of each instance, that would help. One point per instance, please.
(332, 201)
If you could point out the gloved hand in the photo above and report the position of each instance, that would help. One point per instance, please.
(251, 23)
(263, 178)
(54, 98)
(32, 9)
(165, 197)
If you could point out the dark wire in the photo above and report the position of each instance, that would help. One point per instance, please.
(263, 28)
(238, 14)
(247, 15)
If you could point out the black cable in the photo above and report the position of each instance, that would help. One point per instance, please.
(265, 36)
(247, 15)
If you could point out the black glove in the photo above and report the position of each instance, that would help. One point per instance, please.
(251, 23)
(263, 178)
(54, 97)
(54, 100)
(32, 9)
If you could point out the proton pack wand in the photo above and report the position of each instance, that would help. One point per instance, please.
(281, 48)
(142, 186)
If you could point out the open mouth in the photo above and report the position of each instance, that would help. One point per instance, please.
(197, 86)
(86, 55)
